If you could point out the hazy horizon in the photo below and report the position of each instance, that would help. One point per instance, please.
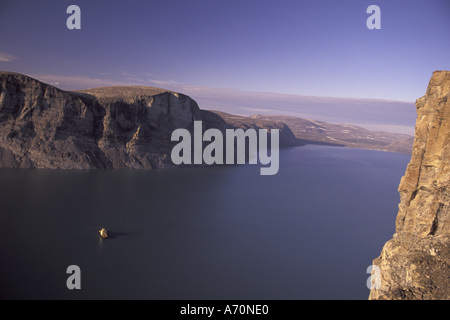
(366, 113)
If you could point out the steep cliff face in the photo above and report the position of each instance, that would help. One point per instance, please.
(117, 127)
(138, 124)
(415, 264)
(113, 127)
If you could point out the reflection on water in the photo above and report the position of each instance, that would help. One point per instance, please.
(100, 243)
(308, 232)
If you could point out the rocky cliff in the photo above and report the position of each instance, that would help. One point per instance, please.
(114, 127)
(415, 264)
(120, 127)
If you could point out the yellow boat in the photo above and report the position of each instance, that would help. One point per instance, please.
(103, 233)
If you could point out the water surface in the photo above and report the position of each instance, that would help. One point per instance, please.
(309, 232)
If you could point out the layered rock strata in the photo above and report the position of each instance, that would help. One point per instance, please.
(415, 263)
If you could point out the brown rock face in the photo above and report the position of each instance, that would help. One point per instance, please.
(415, 264)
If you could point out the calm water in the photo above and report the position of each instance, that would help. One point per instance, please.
(309, 232)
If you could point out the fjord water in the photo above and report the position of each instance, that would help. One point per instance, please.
(309, 232)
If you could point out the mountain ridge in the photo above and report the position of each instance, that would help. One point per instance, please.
(309, 131)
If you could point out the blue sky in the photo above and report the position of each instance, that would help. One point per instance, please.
(315, 48)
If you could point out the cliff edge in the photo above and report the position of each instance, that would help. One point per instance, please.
(415, 263)
(116, 127)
